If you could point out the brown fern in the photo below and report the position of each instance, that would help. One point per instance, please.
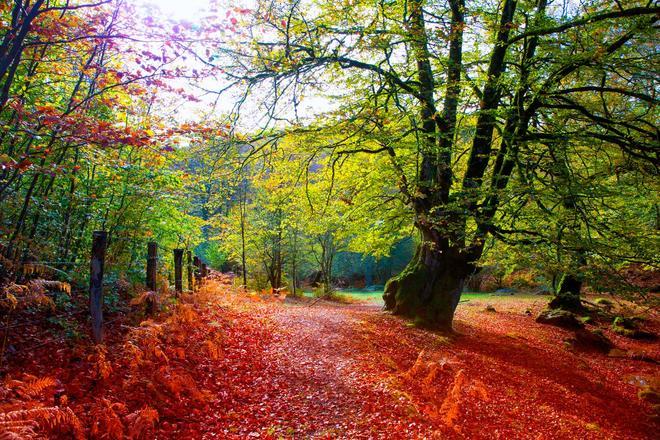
(103, 367)
(52, 419)
(212, 349)
(48, 285)
(36, 269)
(107, 422)
(140, 422)
(34, 386)
(450, 409)
(148, 298)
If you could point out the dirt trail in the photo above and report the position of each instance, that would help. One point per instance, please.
(350, 371)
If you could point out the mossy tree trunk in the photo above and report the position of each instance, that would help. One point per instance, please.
(429, 288)
(568, 294)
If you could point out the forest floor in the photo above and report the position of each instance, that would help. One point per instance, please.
(232, 365)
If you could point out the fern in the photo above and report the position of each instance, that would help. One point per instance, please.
(47, 285)
(9, 302)
(36, 269)
(140, 422)
(178, 383)
(32, 294)
(451, 405)
(35, 386)
(134, 355)
(103, 367)
(23, 423)
(212, 349)
(108, 423)
(148, 298)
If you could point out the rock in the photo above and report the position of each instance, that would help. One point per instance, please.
(559, 318)
(587, 319)
(617, 353)
(628, 327)
(606, 303)
(490, 308)
(505, 291)
(542, 290)
(592, 341)
(650, 394)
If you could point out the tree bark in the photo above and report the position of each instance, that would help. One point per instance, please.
(429, 288)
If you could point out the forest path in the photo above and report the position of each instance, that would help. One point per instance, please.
(297, 370)
(310, 381)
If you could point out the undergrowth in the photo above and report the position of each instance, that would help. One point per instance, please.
(150, 363)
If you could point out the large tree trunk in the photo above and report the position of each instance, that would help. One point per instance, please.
(429, 288)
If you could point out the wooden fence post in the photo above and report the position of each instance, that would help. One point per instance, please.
(178, 271)
(189, 269)
(99, 244)
(152, 265)
(197, 271)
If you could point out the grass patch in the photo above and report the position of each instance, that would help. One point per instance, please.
(348, 295)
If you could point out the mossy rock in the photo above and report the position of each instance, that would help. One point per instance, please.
(559, 318)
(604, 302)
(626, 323)
(592, 340)
(628, 327)
(587, 319)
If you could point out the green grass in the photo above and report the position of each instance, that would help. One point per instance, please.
(377, 296)
(357, 294)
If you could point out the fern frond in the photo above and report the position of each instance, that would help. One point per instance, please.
(450, 408)
(9, 302)
(212, 349)
(50, 419)
(35, 386)
(17, 289)
(145, 297)
(36, 268)
(40, 285)
(102, 365)
(108, 424)
(141, 422)
(134, 355)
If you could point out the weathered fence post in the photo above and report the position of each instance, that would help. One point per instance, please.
(198, 271)
(178, 271)
(99, 243)
(152, 270)
(189, 267)
(152, 265)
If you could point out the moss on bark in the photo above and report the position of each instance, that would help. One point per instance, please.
(429, 288)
